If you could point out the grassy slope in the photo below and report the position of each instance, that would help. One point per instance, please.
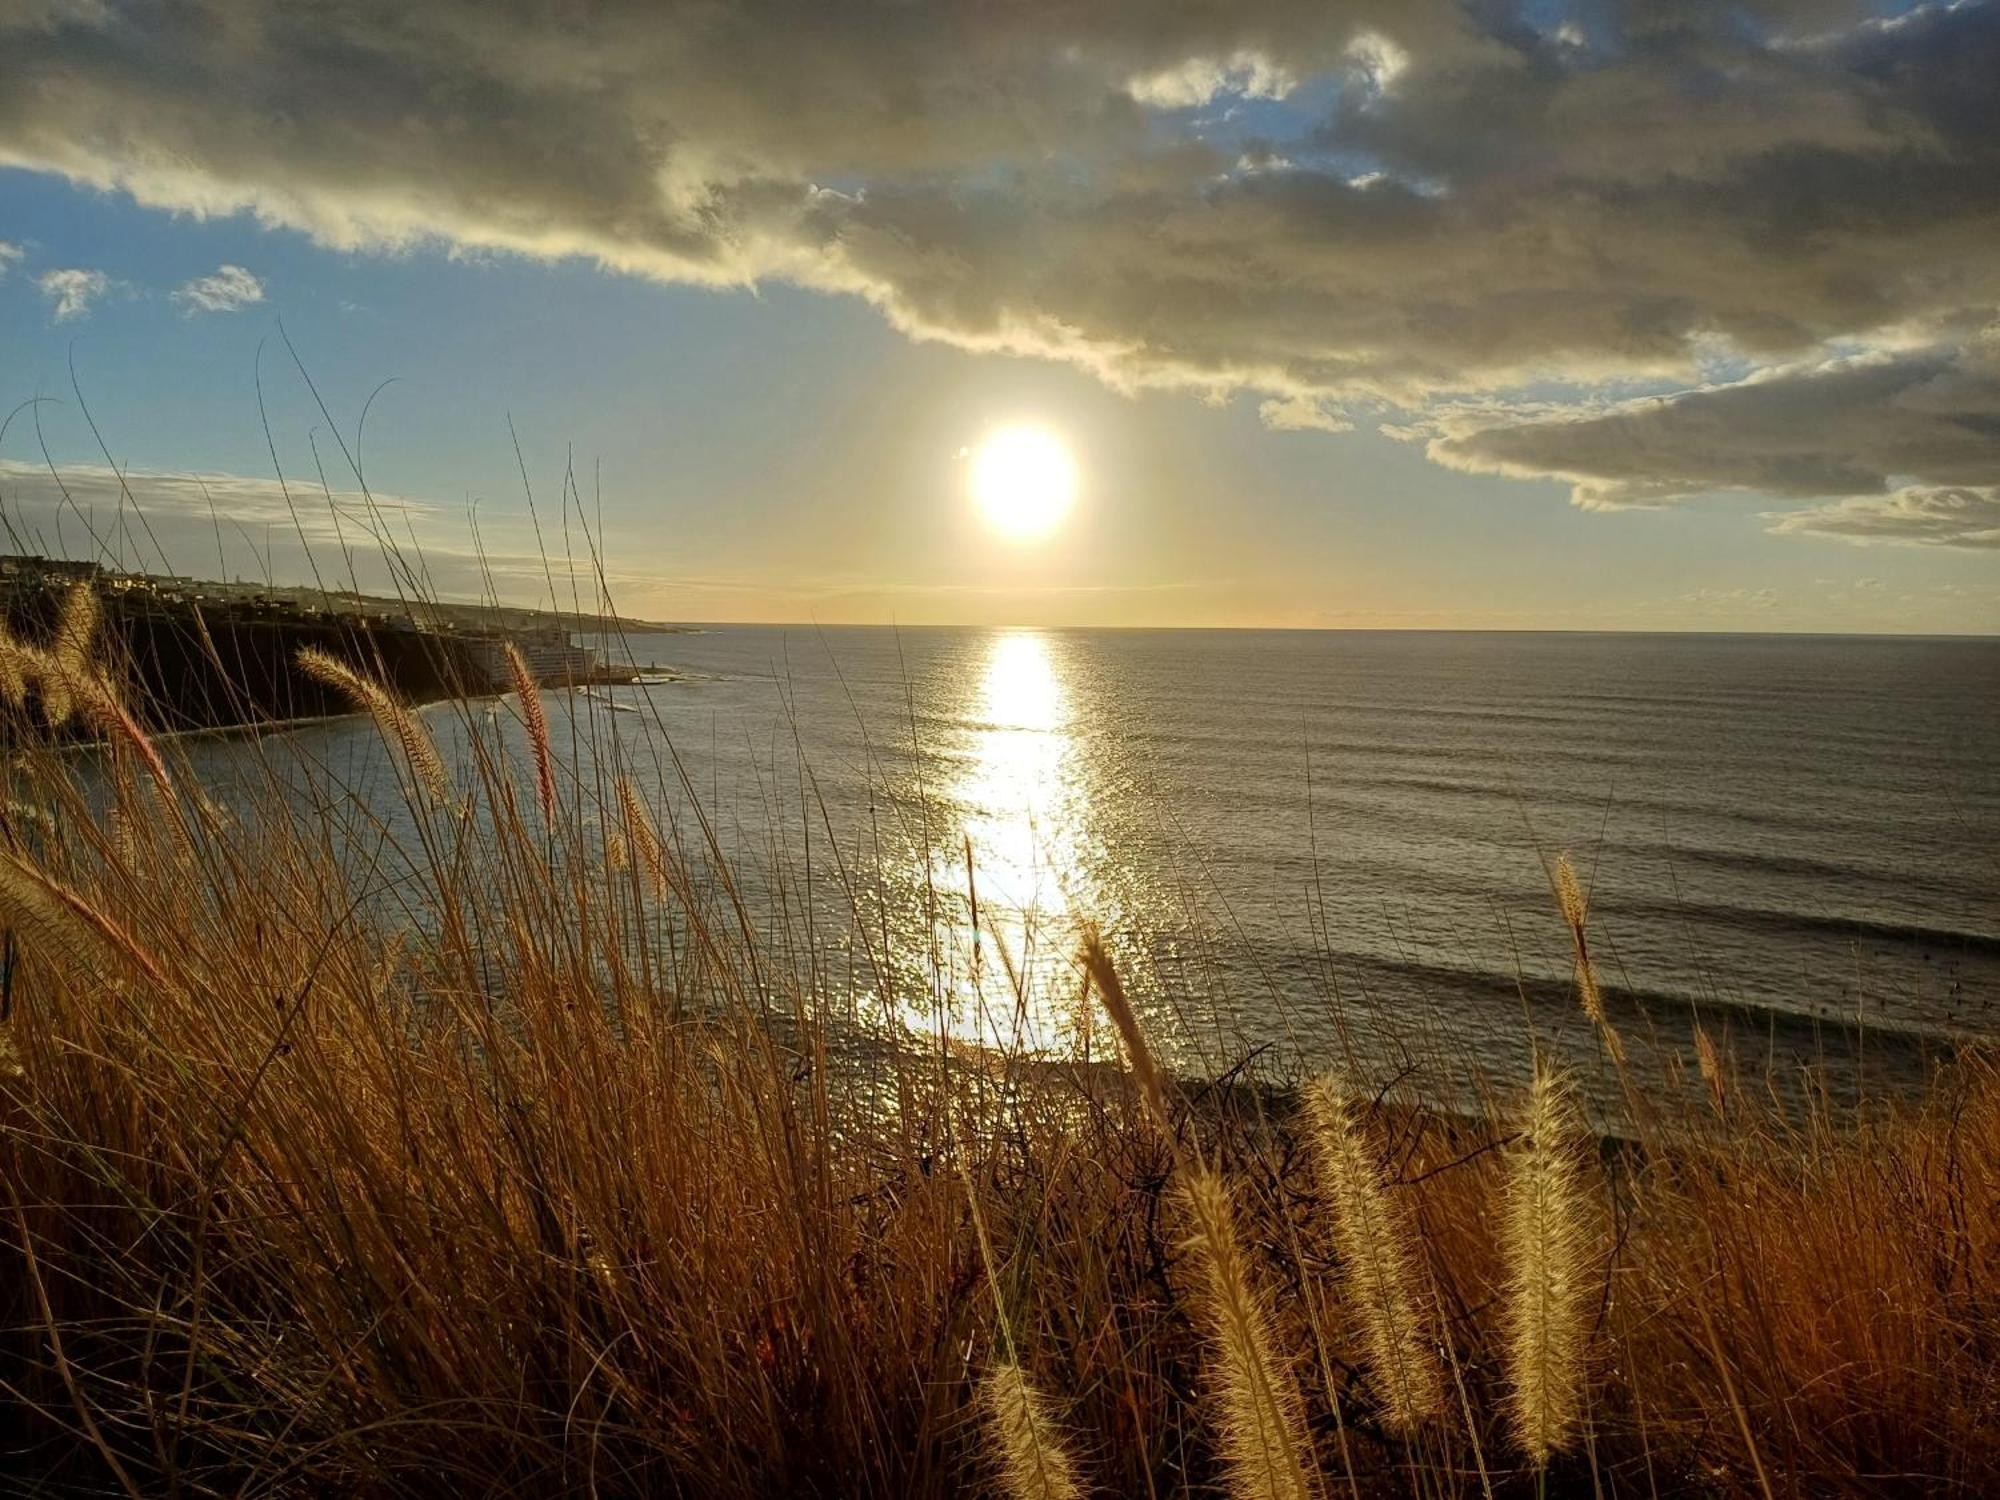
(478, 1162)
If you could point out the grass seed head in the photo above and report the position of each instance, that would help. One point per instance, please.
(1546, 1304)
(1379, 1258)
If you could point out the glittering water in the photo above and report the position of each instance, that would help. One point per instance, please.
(1295, 838)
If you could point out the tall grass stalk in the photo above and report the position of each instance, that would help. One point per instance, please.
(1029, 1451)
(1031, 1458)
(398, 725)
(70, 652)
(1544, 1235)
(1378, 1255)
(1262, 1426)
(528, 693)
(1575, 908)
(1118, 1005)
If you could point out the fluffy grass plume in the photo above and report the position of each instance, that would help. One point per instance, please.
(1259, 1415)
(529, 692)
(69, 653)
(1263, 1431)
(1544, 1238)
(95, 699)
(1575, 907)
(395, 722)
(640, 838)
(17, 669)
(1378, 1255)
(63, 923)
(1710, 1062)
(73, 683)
(1027, 1445)
(1111, 989)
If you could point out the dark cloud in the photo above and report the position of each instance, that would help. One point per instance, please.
(1483, 198)
(1851, 427)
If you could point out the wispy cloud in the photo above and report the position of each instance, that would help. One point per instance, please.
(1925, 517)
(1302, 414)
(10, 256)
(226, 289)
(73, 291)
(1854, 427)
(1196, 80)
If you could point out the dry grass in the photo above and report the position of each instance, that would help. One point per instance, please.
(465, 1159)
(1546, 1232)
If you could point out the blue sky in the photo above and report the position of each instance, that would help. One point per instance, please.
(793, 447)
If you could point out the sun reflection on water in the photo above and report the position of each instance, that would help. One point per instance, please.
(1016, 855)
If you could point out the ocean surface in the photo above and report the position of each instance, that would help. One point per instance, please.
(1305, 844)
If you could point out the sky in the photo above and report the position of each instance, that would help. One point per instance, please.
(1433, 313)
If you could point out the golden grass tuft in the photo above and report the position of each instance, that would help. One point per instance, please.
(1118, 1005)
(68, 660)
(640, 838)
(1027, 1444)
(1257, 1400)
(1575, 908)
(95, 700)
(393, 719)
(1378, 1255)
(17, 669)
(529, 694)
(1543, 1243)
(1030, 1453)
(1709, 1062)
(66, 925)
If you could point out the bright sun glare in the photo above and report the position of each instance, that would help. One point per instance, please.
(1024, 481)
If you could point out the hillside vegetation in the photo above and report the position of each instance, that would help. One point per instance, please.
(499, 1149)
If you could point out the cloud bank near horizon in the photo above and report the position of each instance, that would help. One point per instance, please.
(1488, 224)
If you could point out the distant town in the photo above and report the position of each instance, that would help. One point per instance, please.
(200, 653)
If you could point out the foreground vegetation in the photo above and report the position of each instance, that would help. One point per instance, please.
(500, 1150)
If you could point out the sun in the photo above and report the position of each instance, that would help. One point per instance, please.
(1023, 480)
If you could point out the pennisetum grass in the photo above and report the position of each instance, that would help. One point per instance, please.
(17, 669)
(1258, 1412)
(70, 652)
(1546, 1304)
(89, 694)
(528, 692)
(1027, 1447)
(640, 837)
(1256, 1397)
(1111, 989)
(1575, 908)
(1378, 1256)
(1029, 1451)
(68, 922)
(392, 718)
(1709, 1062)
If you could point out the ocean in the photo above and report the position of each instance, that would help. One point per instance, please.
(1306, 844)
